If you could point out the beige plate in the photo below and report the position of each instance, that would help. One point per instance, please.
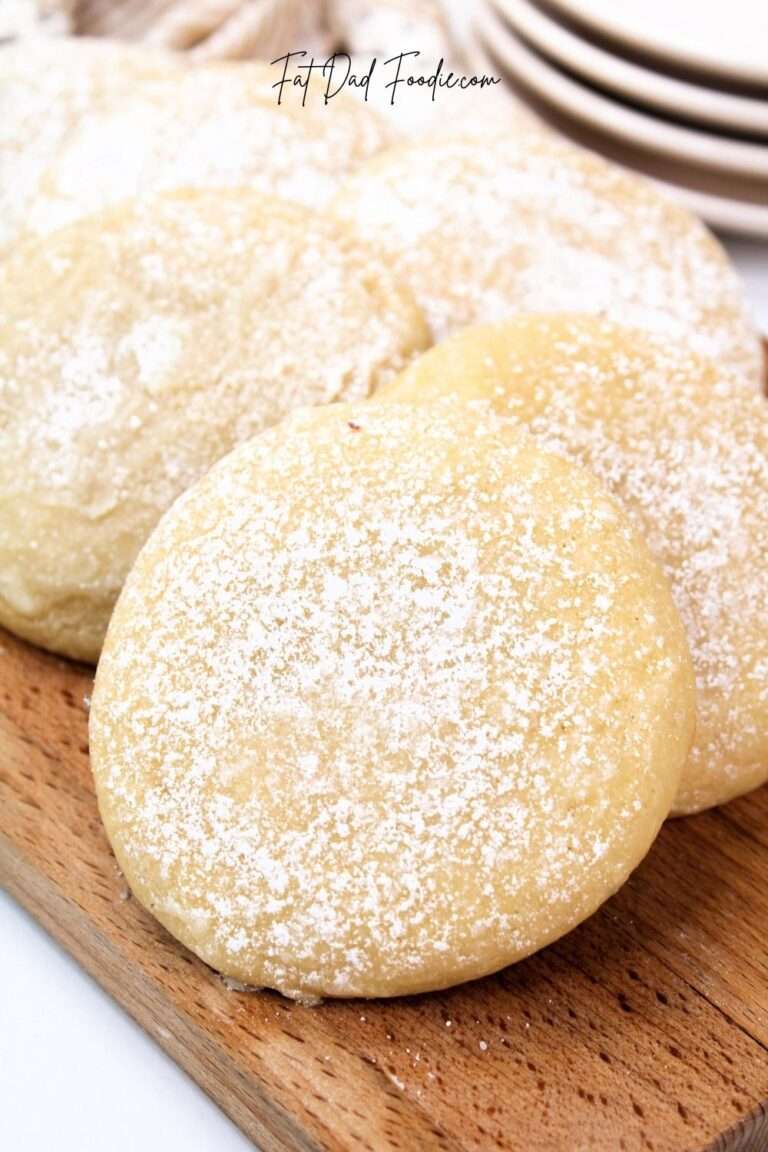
(724, 203)
(736, 201)
(704, 149)
(704, 105)
(724, 40)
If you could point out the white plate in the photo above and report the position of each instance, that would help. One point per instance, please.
(733, 216)
(479, 63)
(715, 201)
(641, 85)
(704, 149)
(724, 38)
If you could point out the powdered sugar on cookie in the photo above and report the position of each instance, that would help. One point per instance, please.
(482, 229)
(373, 714)
(678, 440)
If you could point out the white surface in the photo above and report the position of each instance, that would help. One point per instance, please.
(707, 150)
(684, 100)
(751, 259)
(76, 1074)
(726, 39)
(74, 1067)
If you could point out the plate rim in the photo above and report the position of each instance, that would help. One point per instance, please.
(701, 149)
(655, 46)
(561, 45)
(735, 217)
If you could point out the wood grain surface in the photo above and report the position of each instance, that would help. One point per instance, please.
(644, 1029)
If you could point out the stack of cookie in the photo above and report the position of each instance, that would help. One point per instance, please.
(415, 647)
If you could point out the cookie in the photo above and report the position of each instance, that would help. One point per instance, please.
(46, 86)
(136, 348)
(483, 229)
(678, 441)
(390, 700)
(210, 126)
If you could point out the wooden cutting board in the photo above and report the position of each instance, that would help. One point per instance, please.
(644, 1029)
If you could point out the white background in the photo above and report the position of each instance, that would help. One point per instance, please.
(76, 1074)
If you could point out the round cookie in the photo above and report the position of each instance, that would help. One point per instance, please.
(46, 85)
(210, 126)
(676, 438)
(136, 348)
(484, 229)
(387, 703)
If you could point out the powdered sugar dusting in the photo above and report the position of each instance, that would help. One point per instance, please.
(46, 86)
(361, 721)
(204, 127)
(138, 346)
(483, 228)
(687, 451)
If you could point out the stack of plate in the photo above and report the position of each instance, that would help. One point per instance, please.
(677, 89)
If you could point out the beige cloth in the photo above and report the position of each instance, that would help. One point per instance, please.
(212, 29)
(265, 29)
(248, 28)
(34, 17)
